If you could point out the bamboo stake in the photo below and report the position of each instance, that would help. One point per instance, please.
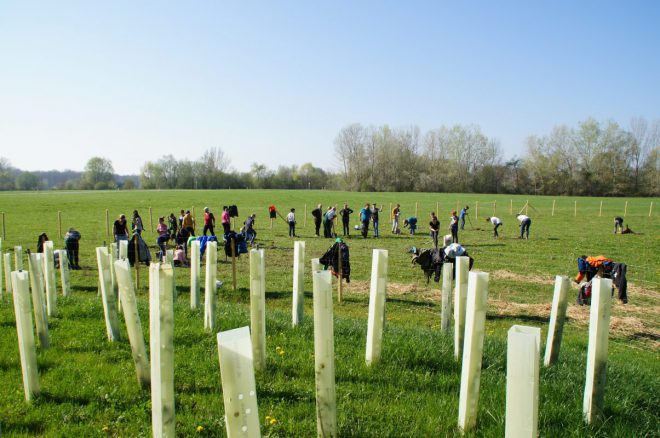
(511, 207)
(476, 213)
(305, 217)
(650, 210)
(600, 210)
(339, 276)
(625, 209)
(107, 222)
(59, 222)
(494, 207)
(151, 220)
(4, 236)
(553, 207)
(575, 209)
(233, 263)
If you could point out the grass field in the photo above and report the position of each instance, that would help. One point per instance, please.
(89, 386)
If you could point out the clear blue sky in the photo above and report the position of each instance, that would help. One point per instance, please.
(275, 81)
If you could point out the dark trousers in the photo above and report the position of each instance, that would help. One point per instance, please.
(434, 237)
(209, 228)
(524, 227)
(226, 227)
(72, 246)
(292, 229)
(454, 234)
(347, 227)
(495, 234)
(365, 228)
(317, 224)
(161, 242)
(191, 230)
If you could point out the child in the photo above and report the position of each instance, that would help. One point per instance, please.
(180, 257)
(291, 220)
(454, 227)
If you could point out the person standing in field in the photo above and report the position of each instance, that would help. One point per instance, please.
(434, 227)
(525, 222)
(496, 224)
(454, 227)
(250, 233)
(374, 218)
(137, 223)
(618, 224)
(463, 213)
(120, 228)
(71, 243)
(365, 217)
(181, 216)
(345, 214)
(330, 221)
(188, 223)
(396, 212)
(163, 236)
(225, 219)
(291, 220)
(173, 226)
(209, 221)
(317, 213)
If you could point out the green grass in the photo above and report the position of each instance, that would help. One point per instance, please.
(89, 386)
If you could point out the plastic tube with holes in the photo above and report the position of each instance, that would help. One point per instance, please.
(210, 287)
(109, 302)
(24, 329)
(324, 355)
(445, 316)
(35, 264)
(49, 276)
(258, 307)
(460, 296)
(522, 381)
(65, 279)
(377, 296)
(194, 274)
(113, 277)
(557, 318)
(297, 307)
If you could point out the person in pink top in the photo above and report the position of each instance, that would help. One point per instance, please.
(226, 220)
(163, 235)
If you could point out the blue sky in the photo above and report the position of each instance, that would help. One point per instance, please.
(274, 82)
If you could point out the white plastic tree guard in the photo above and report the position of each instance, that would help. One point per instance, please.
(377, 296)
(445, 316)
(65, 279)
(324, 355)
(123, 249)
(599, 325)
(475, 322)
(460, 296)
(194, 274)
(161, 319)
(522, 381)
(316, 265)
(37, 284)
(210, 288)
(113, 277)
(297, 307)
(109, 302)
(49, 276)
(258, 307)
(238, 385)
(18, 258)
(25, 332)
(133, 324)
(557, 319)
(169, 259)
(6, 262)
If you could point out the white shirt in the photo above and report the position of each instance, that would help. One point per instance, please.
(495, 220)
(291, 217)
(522, 217)
(330, 215)
(454, 250)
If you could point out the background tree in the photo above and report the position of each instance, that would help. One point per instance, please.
(98, 174)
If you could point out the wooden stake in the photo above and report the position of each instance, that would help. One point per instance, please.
(511, 207)
(476, 212)
(107, 222)
(4, 234)
(625, 209)
(557, 318)
(553, 207)
(600, 210)
(324, 356)
(339, 275)
(194, 274)
(460, 297)
(297, 308)
(210, 285)
(575, 209)
(109, 304)
(24, 329)
(475, 321)
(377, 295)
(445, 321)
(59, 222)
(258, 307)
(137, 264)
(161, 332)
(522, 381)
(238, 384)
(416, 209)
(494, 207)
(233, 263)
(599, 323)
(7, 268)
(305, 217)
(133, 324)
(35, 264)
(650, 209)
(151, 220)
(49, 276)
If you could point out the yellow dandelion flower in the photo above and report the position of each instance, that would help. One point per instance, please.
(273, 421)
(200, 429)
(105, 429)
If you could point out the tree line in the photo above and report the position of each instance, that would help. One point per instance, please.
(589, 159)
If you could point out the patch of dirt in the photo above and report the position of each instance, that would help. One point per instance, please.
(534, 279)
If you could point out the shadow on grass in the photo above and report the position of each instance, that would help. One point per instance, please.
(31, 427)
(64, 398)
(411, 302)
(521, 317)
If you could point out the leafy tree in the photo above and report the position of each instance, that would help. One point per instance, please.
(98, 175)
(27, 181)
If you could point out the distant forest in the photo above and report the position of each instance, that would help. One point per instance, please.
(590, 159)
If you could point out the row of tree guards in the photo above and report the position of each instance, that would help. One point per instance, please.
(242, 350)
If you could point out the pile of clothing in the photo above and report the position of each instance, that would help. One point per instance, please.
(240, 243)
(331, 258)
(432, 260)
(144, 255)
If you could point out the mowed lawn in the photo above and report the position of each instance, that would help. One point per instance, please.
(89, 387)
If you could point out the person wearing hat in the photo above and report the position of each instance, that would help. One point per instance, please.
(188, 223)
(453, 225)
(291, 220)
(209, 221)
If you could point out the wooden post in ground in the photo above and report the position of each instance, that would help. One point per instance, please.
(494, 207)
(238, 384)
(475, 321)
(600, 209)
(233, 263)
(339, 276)
(107, 223)
(445, 317)
(49, 276)
(210, 285)
(298, 283)
(324, 356)
(625, 209)
(161, 333)
(109, 303)
(4, 231)
(377, 295)
(64, 273)
(25, 332)
(151, 220)
(522, 381)
(557, 318)
(137, 264)
(305, 217)
(599, 323)
(476, 210)
(6, 259)
(194, 274)
(59, 222)
(35, 264)
(553, 207)
(416, 209)
(460, 297)
(575, 209)
(133, 324)
(511, 207)
(650, 208)
(527, 208)
(258, 307)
